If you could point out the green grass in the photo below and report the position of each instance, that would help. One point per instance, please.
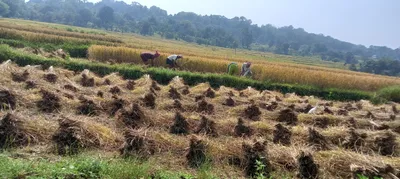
(391, 93)
(364, 177)
(90, 165)
(84, 166)
(164, 76)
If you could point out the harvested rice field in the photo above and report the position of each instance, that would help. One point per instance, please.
(52, 116)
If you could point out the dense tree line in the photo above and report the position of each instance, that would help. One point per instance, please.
(238, 32)
(383, 66)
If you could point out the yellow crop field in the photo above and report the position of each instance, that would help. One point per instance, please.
(34, 37)
(30, 28)
(201, 58)
(275, 72)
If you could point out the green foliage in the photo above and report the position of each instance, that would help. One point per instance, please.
(383, 66)
(391, 93)
(4, 9)
(106, 16)
(16, 8)
(76, 50)
(164, 76)
(247, 37)
(90, 169)
(126, 168)
(14, 43)
(260, 168)
(365, 177)
(69, 29)
(167, 175)
(82, 166)
(146, 29)
(282, 49)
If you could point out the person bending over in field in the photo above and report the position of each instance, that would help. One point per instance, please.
(246, 71)
(146, 56)
(172, 60)
(233, 68)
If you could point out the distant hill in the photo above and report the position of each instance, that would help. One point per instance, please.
(238, 32)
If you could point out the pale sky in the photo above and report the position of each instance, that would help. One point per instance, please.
(366, 22)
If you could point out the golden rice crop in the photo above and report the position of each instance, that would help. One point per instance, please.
(44, 38)
(63, 33)
(275, 72)
(200, 58)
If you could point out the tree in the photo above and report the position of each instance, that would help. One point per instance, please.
(16, 8)
(350, 59)
(383, 66)
(324, 57)
(304, 50)
(185, 29)
(295, 46)
(368, 66)
(85, 16)
(353, 67)
(318, 48)
(106, 16)
(146, 29)
(283, 49)
(4, 9)
(247, 37)
(235, 45)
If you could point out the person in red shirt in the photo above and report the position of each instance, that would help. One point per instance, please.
(146, 56)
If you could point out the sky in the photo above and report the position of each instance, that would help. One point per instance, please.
(366, 22)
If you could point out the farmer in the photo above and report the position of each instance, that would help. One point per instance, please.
(172, 60)
(146, 56)
(246, 71)
(233, 68)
